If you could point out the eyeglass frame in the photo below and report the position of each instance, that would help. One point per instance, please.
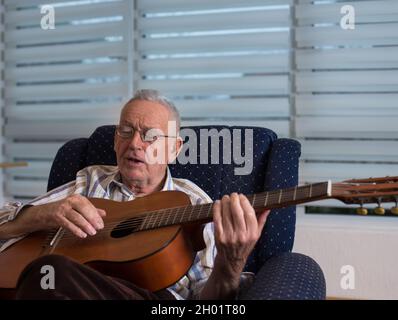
(142, 134)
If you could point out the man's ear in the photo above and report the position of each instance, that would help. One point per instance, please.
(178, 146)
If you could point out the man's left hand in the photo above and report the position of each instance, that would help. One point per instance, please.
(237, 230)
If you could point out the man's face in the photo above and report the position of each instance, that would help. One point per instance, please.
(134, 166)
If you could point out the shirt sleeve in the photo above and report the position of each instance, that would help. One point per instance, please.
(11, 210)
(203, 266)
(190, 286)
(204, 260)
(8, 213)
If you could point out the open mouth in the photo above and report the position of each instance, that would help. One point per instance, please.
(135, 161)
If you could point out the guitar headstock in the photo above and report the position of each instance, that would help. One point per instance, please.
(371, 190)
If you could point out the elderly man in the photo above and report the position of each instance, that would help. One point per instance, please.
(215, 274)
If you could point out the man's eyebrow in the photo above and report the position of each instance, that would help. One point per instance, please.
(125, 122)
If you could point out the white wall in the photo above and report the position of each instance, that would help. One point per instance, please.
(368, 243)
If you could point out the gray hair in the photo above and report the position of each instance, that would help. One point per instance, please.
(155, 96)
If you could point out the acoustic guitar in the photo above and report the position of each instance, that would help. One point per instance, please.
(150, 241)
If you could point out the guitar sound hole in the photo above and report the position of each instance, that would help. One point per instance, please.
(125, 228)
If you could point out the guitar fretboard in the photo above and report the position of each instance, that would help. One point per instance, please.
(260, 201)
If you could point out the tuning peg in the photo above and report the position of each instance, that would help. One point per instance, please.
(394, 210)
(379, 211)
(362, 211)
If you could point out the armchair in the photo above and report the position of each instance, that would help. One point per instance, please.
(280, 274)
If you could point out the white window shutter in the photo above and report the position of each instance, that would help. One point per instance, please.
(60, 83)
(347, 90)
(223, 62)
(282, 64)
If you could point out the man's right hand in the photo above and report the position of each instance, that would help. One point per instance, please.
(74, 213)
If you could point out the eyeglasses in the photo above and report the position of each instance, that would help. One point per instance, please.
(150, 136)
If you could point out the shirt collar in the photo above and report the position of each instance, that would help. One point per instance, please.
(168, 183)
(116, 179)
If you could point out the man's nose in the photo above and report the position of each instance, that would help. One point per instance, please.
(136, 140)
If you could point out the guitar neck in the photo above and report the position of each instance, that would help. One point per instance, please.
(260, 201)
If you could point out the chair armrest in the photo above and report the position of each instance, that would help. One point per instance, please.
(289, 276)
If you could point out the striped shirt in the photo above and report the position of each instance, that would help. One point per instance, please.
(105, 182)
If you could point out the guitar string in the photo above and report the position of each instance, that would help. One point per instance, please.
(164, 215)
(137, 221)
(68, 235)
(152, 216)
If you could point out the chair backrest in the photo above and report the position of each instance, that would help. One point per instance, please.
(274, 165)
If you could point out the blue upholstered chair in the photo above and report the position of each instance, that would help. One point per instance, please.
(284, 275)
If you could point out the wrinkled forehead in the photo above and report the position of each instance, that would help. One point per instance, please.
(145, 114)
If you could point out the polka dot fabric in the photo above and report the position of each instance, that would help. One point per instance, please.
(289, 276)
(70, 158)
(100, 147)
(281, 172)
(275, 165)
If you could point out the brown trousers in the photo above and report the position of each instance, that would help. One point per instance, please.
(74, 281)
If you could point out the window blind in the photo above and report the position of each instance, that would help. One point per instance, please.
(282, 64)
(60, 83)
(223, 62)
(346, 90)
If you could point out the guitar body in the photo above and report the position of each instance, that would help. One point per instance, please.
(159, 256)
(153, 259)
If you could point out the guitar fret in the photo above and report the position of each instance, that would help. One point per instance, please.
(181, 215)
(155, 222)
(174, 218)
(161, 219)
(173, 213)
(266, 199)
(293, 193)
(285, 195)
(253, 200)
(167, 219)
(142, 226)
(180, 211)
(190, 212)
(150, 220)
(209, 210)
(199, 212)
(160, 216)
(280, 196)
(310, 191)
